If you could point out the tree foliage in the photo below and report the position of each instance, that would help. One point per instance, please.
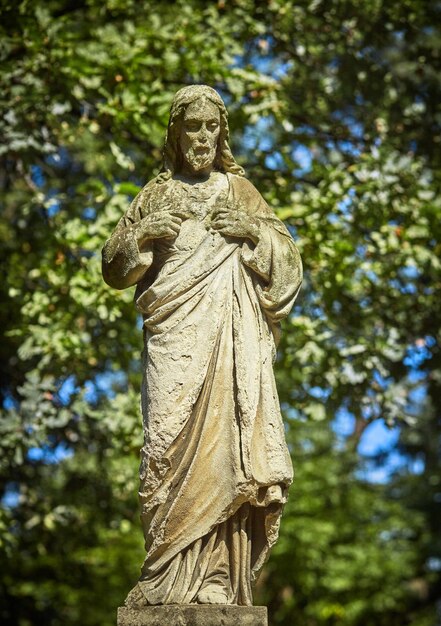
(335, 113)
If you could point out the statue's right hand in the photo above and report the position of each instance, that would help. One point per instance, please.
(158, 225)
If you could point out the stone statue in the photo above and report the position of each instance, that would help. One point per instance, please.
(215, 271)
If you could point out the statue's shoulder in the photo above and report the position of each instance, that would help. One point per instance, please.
(152, 194)
(245, 192)
(154, 187)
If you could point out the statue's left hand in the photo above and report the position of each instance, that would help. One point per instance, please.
(236, 224)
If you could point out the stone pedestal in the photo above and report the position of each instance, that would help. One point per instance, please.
(193, 615)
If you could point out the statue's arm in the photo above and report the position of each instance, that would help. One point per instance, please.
(127, 256)
(276, 260)
(273, 256)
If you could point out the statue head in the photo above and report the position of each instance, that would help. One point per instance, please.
(198, 133)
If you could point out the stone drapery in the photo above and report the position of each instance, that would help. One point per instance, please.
(215, 467)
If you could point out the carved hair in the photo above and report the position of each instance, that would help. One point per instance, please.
(224, 160)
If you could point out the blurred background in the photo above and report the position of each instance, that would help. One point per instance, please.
(335, 113)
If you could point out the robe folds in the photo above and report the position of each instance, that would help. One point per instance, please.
(215, 467)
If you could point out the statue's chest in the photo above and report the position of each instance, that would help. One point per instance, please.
(196, 205)
(200, 204)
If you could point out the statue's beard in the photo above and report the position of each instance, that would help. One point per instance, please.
(199, 158)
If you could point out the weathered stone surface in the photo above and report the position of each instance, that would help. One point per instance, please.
(215, 271)
(193, 615)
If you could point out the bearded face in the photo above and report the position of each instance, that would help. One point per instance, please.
(199, 135)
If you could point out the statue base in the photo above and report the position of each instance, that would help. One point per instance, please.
(193, 615)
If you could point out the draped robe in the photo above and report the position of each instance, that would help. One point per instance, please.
(215, 467)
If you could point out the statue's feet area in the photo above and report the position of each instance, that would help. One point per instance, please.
(212, 594)
(135, 598)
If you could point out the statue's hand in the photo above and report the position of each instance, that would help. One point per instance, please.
(236, 224)
(158, 225)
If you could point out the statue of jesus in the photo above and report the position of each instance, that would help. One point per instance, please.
(215, 271)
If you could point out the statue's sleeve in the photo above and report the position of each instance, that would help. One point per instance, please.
(123, 262)
(274, 259)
